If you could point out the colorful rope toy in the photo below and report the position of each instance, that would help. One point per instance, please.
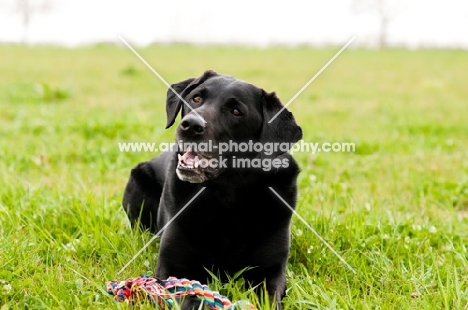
(163, 292)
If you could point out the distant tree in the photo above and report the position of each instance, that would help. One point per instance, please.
(26, 9)
(386, 10)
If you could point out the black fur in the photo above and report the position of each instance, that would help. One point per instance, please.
(237, 221)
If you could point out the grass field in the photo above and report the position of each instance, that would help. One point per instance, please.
(396, 209)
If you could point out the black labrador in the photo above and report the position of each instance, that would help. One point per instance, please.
(237, 221)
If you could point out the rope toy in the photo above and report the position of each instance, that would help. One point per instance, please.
(163, 292)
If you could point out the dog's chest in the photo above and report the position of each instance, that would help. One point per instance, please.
(232, 225)
(235, 231)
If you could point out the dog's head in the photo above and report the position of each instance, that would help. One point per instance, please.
(219, 112)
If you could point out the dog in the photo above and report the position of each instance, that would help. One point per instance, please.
(236, 222)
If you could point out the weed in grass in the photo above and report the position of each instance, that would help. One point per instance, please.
(37, 92)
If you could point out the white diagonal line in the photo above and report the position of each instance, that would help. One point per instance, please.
(313, 230)
(161, 230)
(312, 79)
(160, 77)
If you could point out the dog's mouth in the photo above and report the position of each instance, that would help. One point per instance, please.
(190, 160)
(194, 167)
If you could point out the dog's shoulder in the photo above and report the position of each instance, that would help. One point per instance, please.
(288, 169)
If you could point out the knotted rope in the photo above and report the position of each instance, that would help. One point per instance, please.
(163, 292)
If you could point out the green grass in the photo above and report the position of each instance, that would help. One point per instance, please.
(396, 209)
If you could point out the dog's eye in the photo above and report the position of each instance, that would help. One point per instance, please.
(196, 99)
(236, 112)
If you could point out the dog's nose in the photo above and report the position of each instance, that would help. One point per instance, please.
(192, 124)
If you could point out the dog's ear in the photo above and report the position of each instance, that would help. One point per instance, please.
(173, 101)
(283, 128)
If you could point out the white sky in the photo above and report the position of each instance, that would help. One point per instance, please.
(74, 22)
